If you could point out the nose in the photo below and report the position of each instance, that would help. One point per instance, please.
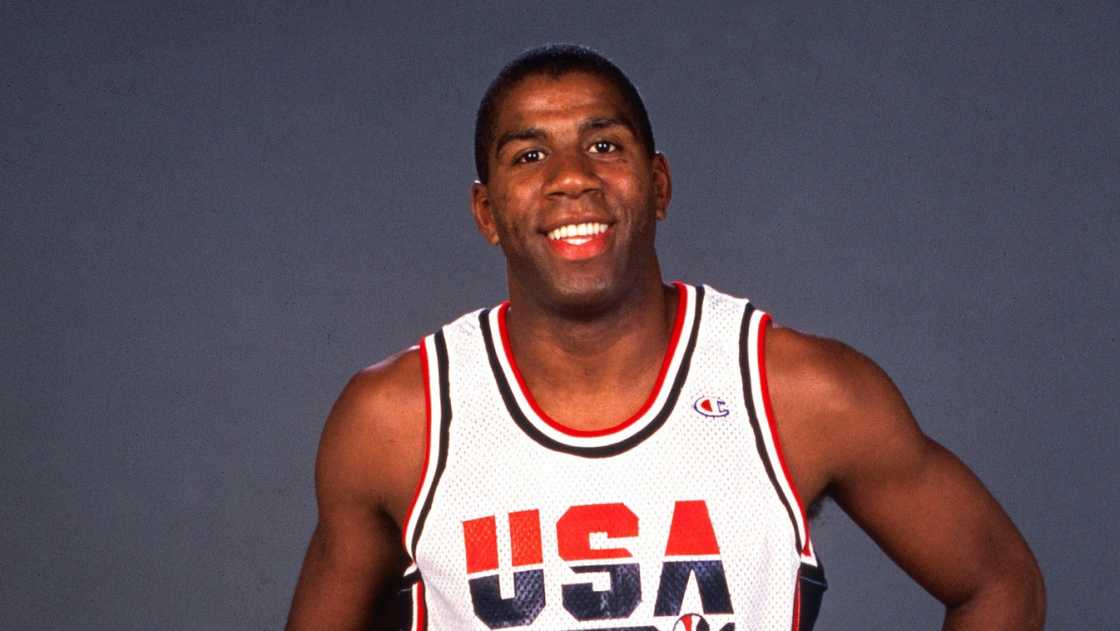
(571, 175)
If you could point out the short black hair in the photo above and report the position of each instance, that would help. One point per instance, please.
(553, 60)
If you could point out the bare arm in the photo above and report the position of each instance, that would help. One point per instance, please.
(369, 458)
(922, 506)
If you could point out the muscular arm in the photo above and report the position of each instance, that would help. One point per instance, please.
(369, 459)
(853, 436)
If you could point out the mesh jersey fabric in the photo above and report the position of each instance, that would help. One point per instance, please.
(684, 517)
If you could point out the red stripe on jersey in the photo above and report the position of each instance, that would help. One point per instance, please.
(419, 617)
(762, 325)
(678, 325)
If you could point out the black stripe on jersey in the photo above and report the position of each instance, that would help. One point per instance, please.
(445, 424)
(407, 580)
(395, 610)
(745, 372)
(604, 451)
(812, 584)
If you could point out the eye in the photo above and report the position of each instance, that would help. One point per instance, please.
(603, 146)
(533, 155)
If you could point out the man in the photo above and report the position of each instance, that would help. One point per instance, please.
(604, 451)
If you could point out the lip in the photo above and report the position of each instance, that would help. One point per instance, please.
(594, 246)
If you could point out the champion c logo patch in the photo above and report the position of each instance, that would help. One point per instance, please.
(711, 406)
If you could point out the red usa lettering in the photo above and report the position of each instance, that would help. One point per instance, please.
(690, 535)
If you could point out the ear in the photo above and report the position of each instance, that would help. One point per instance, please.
(662, 184)
(483, 213)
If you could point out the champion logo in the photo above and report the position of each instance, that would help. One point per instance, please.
(711, 406)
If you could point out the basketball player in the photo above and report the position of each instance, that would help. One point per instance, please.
(606, 451)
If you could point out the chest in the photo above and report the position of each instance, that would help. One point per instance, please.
(685, 507)
(685, 520)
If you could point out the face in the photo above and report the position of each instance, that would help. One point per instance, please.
(573, 196)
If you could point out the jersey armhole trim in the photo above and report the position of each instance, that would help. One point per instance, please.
(763, 326)
(433, 360)
(757, 397)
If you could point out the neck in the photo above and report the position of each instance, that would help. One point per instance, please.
(601, 366)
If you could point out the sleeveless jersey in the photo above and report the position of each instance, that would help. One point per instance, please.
(683, 517)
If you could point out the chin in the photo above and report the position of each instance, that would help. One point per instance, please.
(586, 297)
(576, 291)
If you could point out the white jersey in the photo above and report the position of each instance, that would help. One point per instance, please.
(683, 517)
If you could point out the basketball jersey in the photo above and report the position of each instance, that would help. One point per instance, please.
(683, 517)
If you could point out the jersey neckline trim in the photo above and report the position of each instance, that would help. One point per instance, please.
(612, 440)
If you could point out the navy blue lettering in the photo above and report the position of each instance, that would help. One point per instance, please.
(522, 609)
(585, 603)
(710, 579)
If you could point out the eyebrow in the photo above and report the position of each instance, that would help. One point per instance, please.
(536, 133)
(529, 133)
(605, 122)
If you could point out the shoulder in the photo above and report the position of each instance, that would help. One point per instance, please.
(388, 389)
(832, 375)
(373, 440)
(839, 408)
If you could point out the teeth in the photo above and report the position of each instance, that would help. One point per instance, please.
(577, 233)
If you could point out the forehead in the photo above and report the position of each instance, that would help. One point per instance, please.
(542, 98)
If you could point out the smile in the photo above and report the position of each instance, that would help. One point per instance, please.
(577, 233)
(579, 241)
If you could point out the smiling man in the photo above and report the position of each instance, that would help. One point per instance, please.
(605, 451)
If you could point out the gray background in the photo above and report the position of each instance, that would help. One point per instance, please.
(211, 215)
